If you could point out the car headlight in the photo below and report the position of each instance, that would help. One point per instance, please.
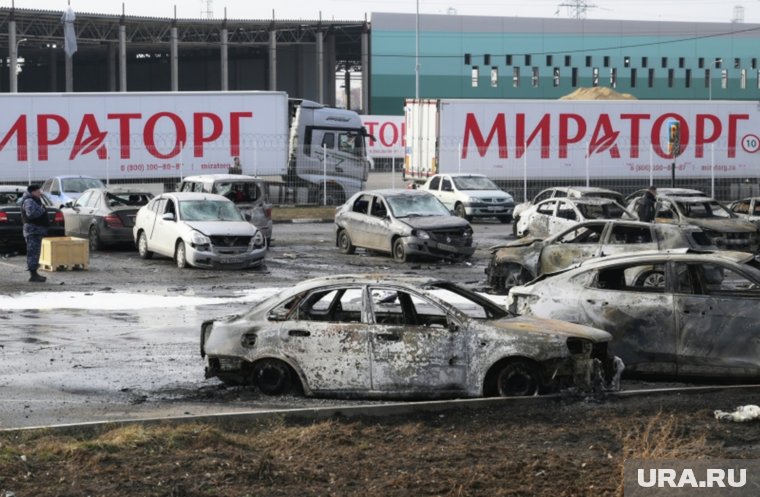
(468, 233)
(257, 240)
(198, 238)
(421, 234)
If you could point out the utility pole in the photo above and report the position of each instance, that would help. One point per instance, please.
(576, 8)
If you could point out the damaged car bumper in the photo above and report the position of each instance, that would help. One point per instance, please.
(210, 257)
(415, 245)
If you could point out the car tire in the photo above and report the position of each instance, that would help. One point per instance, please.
(460, 211)
(651, 279)
(514, 225)
(344, 243)
(142, 246)
(94, 239)
(271, 377)
(399, 251)
(518, 378)
(180, 255)
(505, 219)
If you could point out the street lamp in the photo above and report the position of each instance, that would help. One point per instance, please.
(417, 52)
(14, 65)
(709, 81)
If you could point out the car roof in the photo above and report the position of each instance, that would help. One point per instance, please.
(665, 255)
(210, 178)
(675, 192)
(182, 196)
(695, 200)
(12, 188)
(460, 175)
(362, 279)
(67, 176)
(121, 190)
(391, 192)
(582, 200)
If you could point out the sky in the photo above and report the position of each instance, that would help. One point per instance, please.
(653, 10)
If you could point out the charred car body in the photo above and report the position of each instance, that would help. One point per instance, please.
(726, 230)
(403, 223)
(11, 224)
(670, 313)
(747, 208)
(518, 262)
(376, 336)
(552, 216)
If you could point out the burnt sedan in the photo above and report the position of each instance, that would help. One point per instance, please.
(11, 225)
(522, 260)
(699, 317)
(104, 216)
(379, 336)
(551, 216)
(403, 223)
(747, 208)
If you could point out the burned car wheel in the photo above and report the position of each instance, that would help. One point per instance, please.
(180, 255)
(142, 246)
(651, 279)
(518, 378)
(399, 251)
(271, 376)
(344, 243)
(515, 275)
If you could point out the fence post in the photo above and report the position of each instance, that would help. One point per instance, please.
(525, 173)
(255, 160)
(108, 165)
(324, 175)
(712, 170)
(459, 157)
(588, 159)
(651, 165)
(393, 173)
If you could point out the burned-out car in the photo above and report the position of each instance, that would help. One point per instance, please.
(380, 336)
(551, 216)
(404, 223)
(747, 208)
(671, 313)
(726, 230)
(522, 260)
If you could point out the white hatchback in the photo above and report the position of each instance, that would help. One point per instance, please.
(198, 229)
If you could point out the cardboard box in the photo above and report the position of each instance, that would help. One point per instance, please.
(64, 252)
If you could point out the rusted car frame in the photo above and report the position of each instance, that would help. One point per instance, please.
(380, 336)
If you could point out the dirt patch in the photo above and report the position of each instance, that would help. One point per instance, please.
(284, 213)
(565, 447)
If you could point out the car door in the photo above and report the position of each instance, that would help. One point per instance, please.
(622, 238)
(447, 195)
(718, 318)
(165, 231)
(413, 349)
(328, 338)
(89, 211)
(572, 246)
(537, 222)
(639, 316)
(379, 225)
(434, 186)
(357, 221)
(73, 217)
(565, 217)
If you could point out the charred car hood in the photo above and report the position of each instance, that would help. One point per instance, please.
(723, 225)
(531, 325)
(435, 222)
(225, 228)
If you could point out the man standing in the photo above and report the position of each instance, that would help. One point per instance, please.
(646, 205)
(236, 168)
(35, 217)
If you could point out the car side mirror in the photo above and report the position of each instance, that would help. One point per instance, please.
(71, 205)
(169, 216)
(247, 217)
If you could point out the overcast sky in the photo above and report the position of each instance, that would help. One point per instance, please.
(665, 10)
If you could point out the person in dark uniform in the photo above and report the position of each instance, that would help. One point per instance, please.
(236, 168)
(36, 222)
(646, 205)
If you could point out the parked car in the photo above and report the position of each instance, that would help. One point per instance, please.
(404, 223)
(11, 225)
(666, 192)
(384, 336)
(747, 208)
(198, 229)
(520, 261)
(471, 196)
(63, 190)
(671, 313)
(104, 216)
(562, 192)
(551, 216)
(726, 230)
(247, 192)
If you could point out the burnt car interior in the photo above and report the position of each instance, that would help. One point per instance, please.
(636, 278)
(586, 234)
(630, 235)
(712, 279)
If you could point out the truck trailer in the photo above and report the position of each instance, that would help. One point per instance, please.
(163, 136)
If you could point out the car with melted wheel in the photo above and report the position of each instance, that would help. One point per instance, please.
(389, 336)
(198, 229)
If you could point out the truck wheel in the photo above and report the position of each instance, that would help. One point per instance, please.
(142, 246)
(180, 255)
(399, 251)
(344, 243)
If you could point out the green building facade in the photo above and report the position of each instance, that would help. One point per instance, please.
(546, 58)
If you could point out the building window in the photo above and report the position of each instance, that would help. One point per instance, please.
(534, 77)
(613, 77)
(494, 76)
(681, 62)
(516, 77)
(633, 78)
(556, 76)
(687, 78)
(724, 79)
(475, 74)
(606, 61)
(549, 60)
(650, 78)
(754, 63)
(626, 61)
(568, 60)
(743, 79)
(528, 60)
(467, 59)
(588, 61)
(701, 62)
(487, 59)
(509, 60)
(595, 77)
(718, 62)
(737, 63)
(664, 62)
(574, 77)
(644, 61)
(671, 77)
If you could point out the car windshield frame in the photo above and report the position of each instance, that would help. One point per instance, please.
(465, 183)
(209, 210)
(80, 185)
(709, 206)
(415, 205)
